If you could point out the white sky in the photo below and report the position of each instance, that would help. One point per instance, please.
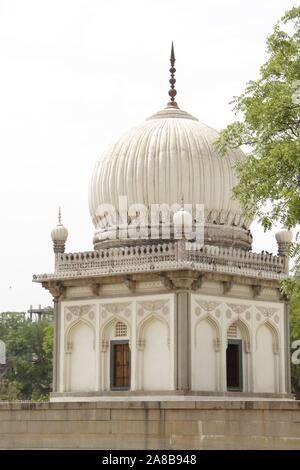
(74, 75)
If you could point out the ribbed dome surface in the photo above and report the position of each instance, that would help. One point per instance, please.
(171, 154)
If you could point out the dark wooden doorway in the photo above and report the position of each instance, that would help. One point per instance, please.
(120, 365)
(234, 366)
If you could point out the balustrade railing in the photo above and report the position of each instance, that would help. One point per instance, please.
(176, 254)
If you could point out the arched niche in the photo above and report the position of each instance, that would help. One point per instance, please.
(154, 353)
(238, 357)
(205, 355)
(267, 359)
(80, 357)
(107, 335)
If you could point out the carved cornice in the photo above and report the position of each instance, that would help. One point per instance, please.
(130, 283)
(57, 289)
(227, 285)
(95, 287)
(166, 281)
(197, 283)
(256, 290)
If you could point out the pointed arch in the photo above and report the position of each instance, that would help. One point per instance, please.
(147, 322)
(153, 340)
(267, 370)
(73, 325)
(79, 363)
(206, 354)
(275, 335)
(215, 326)
(244, 329)
(110, 323)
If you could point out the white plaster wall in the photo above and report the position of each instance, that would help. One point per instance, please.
(156, 357)
(82, 359)
(204, 358)
(263, 364)
(92, 346)
(265, 361)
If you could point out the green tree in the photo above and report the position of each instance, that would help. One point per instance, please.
(28, 372)
(268, 125)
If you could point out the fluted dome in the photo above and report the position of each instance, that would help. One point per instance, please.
(170, 156)
(284, 236)
(59, 233)
(59, 236)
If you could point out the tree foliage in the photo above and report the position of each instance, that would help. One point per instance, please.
(269, 126)
(28, 370)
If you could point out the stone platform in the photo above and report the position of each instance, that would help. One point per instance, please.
(202, 424)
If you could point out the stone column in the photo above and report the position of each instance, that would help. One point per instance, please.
(183, 343)
(56, 345)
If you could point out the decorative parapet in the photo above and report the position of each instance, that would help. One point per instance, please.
(166, 256)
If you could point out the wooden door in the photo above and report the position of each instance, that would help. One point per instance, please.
(121, 365)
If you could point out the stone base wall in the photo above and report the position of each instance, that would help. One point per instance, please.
(151, 425)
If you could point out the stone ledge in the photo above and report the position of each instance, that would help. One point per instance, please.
(293, 405)
(225, 424)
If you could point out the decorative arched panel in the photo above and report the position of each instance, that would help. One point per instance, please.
(267, 349)
(153, 340)
(205, 363)
(80, 349)
(109, 332)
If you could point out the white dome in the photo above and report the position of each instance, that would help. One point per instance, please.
(284, 236)
(170, 156)
(59, 233)
(182, 220)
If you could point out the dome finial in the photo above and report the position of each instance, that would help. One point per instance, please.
(59, 235)
(172, 81)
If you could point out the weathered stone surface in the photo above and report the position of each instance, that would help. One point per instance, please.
(151, 425)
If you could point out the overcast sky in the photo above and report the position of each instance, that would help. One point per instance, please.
(74, 75)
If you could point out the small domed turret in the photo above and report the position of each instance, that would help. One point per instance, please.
(284, 238)
(182, 221)
(59, 236)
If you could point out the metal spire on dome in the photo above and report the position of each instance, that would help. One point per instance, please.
(59, 216)
(172, 81)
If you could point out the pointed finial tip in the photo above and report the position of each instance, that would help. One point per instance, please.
(172, 58)
(172, 81)
(59, 216)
